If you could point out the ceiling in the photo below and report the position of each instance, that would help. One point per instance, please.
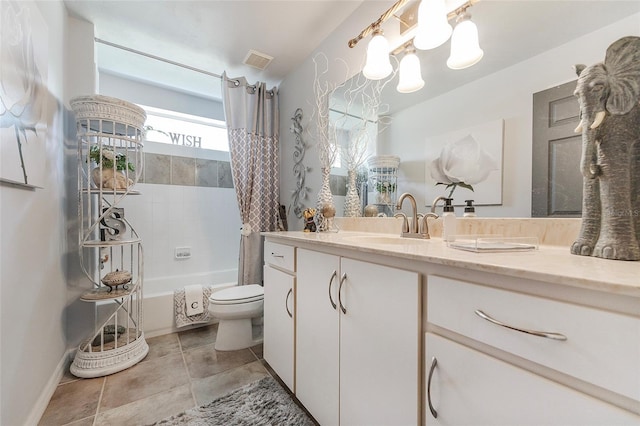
(215, 36)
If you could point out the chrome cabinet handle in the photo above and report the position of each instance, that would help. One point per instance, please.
(434, 362)
(286, 302)
(333, 304)
(342, 280)
(548, 335)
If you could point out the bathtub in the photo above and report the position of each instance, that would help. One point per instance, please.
(158, 297)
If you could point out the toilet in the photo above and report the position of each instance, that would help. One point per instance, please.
(235, 307)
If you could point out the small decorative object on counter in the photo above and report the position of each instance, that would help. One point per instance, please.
(371, 210)
(469, 209)
(309, 224)
(448, 221)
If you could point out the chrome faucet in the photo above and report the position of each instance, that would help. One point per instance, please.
(414, 231)
(433, 205)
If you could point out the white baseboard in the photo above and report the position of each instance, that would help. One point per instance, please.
(41, 404)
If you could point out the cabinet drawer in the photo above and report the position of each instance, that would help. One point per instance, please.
(601, 347)
(280, 255)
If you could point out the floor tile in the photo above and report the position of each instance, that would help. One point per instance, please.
(257, 351)
(162, 345)
(198, 337)
(149, 410)
(210, 388)
(206, 361)
(67, 376)
(143, 380)
(84, 422)
(73, 401)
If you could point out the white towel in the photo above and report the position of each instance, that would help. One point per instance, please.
(194, 300)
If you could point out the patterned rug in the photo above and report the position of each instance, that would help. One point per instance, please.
(264, 402)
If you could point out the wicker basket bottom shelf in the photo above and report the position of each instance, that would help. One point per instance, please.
(90, 361)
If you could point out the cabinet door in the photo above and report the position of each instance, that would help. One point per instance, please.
(469, 387)
(279, 308)
(317, 335)
(379, 345)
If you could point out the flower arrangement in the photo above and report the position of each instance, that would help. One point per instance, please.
(109, 157)
(385, 186)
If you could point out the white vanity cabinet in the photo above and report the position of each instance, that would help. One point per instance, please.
(279, 310)
(468, 387)
(357, 341)
(471, 386)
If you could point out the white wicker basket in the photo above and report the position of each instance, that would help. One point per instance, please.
(98, 107)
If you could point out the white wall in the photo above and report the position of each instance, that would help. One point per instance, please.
(506, 94)
(32, 264)
(475, 103)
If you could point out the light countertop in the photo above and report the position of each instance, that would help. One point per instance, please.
(554, 264)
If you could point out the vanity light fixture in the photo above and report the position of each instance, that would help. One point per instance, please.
(433, 30)
(433, 25)
(410, 79)
(465, 49)
(378, 65)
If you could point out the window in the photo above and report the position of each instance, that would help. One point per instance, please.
(185, 130)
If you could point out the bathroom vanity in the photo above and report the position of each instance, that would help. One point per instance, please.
(390, 330)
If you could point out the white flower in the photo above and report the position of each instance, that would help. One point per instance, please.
(463, 161)
(246, 230)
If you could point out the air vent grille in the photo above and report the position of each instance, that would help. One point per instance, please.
(257, 59)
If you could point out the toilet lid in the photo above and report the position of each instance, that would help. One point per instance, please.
(238, 294)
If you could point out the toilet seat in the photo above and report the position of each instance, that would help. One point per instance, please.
(237, 294)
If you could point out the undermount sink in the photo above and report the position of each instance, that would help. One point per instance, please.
(386, 240)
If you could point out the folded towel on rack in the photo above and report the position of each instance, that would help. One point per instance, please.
(193, 300)
(180, 308)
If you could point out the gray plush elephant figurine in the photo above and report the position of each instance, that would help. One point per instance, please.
(609, 96)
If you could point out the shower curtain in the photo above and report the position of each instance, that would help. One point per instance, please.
(251, 113)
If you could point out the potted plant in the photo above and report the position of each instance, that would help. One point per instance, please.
(385, 189)
(112, 168)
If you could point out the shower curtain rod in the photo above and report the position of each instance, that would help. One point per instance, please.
(157, 58)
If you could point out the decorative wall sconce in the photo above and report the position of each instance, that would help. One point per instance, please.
(433, 30)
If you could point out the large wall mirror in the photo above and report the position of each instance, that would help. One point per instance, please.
(530, 46)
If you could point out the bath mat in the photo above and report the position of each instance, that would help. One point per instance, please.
(261, 403)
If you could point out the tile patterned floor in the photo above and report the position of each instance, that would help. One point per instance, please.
(181, 371)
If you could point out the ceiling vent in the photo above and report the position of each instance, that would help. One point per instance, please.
(257, 59)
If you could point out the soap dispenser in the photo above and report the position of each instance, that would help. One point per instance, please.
(448, 221)
(469, 209)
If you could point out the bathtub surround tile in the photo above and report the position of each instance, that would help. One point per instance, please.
(212, 387)
(162, 345)
(157, 169)
(338, 184)
(196, 337)
(149, 410)
(225, 179)
(206, 361)
(183, 171)
(206, 173)
(73, 401)
(143, 380)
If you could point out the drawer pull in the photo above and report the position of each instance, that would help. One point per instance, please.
(333, 304)
(434, 362)
(548, 335)
(342, 280)
(286, 302)
(277, 255)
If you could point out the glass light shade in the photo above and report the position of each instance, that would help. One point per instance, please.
(378, 65)
(410, 74)
(465, 50)
(433, 26)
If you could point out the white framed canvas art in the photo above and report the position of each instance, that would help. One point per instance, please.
(23, 93)
(467, 157)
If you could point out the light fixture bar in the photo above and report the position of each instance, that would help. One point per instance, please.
(393, 9)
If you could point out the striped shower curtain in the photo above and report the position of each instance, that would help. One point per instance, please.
(251, 113)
